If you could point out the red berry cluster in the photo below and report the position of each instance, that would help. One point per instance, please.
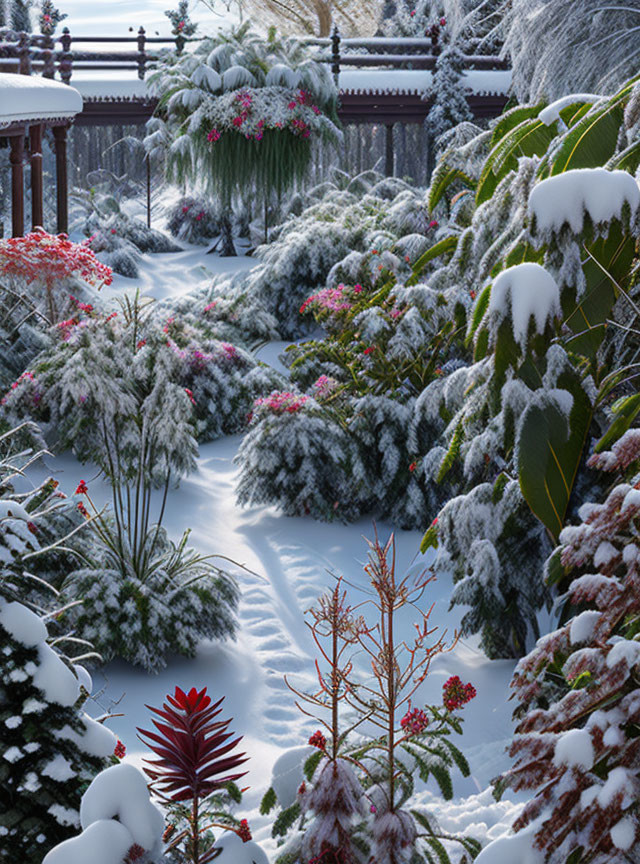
(244, 832)
(455, 694)
(318, 740)
(120, 750)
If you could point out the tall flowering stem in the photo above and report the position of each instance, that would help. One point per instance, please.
(399, 668)
(336, 798)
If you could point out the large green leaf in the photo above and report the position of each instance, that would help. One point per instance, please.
(607, 265)
(511, 119)
(626, 411)
(592, 141)
(442, 247)
(443, 176)
(530, 137)
(550, 450)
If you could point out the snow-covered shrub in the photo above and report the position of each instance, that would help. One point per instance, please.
(576, 746)
(193, 220)
(145, 597)
(114, 391)
(298, 454)
(353, 802)
(112, 234)
(51, 748)
(119, 822)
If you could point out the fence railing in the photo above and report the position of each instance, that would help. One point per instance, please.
(33, 53)
(30, 53)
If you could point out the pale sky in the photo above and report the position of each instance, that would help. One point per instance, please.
(114, 17)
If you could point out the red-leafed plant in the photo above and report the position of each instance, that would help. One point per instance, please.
(195, 764)
(41, 260)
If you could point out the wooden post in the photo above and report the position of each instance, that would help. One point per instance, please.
(35, 158)
(24, 54)
(60, 142)
(16, 159)
(49, 70)
(180, 43)
(389, 154)
(142, 54)
(65, 67)
(335, 55)
(147, 162)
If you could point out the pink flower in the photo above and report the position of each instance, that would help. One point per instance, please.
(369, 350)
(185, 209)
(210, 306)
(412, 13)
(214, 135)
(433, 224)
(200, 216)
(443, 22)
(238, 121)
(190, 395)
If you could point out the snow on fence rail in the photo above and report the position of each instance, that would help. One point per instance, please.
(27, 53)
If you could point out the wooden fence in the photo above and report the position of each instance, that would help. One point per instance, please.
(46, 55)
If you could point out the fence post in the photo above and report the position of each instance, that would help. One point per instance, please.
(65, 67)
(147, 161)
(142, 54)
(389, 155)
(62, 201)
(49, 70)
(24, 53)
(335, 55)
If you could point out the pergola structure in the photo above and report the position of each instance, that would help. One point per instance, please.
(29, 104)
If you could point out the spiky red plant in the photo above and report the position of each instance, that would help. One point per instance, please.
(194, 753)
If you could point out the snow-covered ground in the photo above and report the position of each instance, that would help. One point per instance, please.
(288, 564)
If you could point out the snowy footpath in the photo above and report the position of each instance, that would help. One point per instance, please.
(287, 563)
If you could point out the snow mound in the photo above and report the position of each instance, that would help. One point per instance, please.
(121, 793)
(565, 198)
(288, 774)
(525, 291)
(104, 842)
(513, 848)
(23, 624)
(234, 851)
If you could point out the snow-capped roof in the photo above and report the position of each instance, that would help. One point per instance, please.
(31, 97)
(406, 82)
(117, 88)
(112, 89)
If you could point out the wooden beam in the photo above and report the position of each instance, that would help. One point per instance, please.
(16, 159)
(389, 156)
(35, 158)
(62, 201)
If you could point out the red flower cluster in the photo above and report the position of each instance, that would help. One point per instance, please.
(82, 488)
(318, 740)
(244, 832)
(455, 694)
(43, 257)
(120, 750)
(135, 853)
(414, 721)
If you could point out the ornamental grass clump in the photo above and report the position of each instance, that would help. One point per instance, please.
(116, 390)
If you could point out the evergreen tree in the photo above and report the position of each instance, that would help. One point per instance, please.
(15, 14)
(450, 104)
